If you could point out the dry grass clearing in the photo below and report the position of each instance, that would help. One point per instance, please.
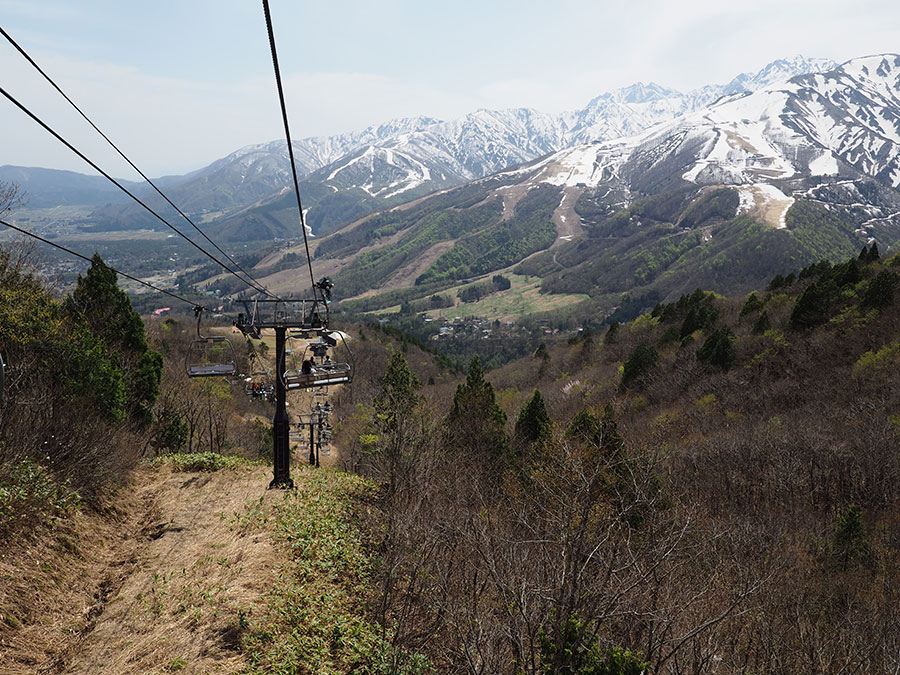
(200, 571)
(164, 587)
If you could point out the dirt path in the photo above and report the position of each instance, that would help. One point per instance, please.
(169, 587)
(568, 222)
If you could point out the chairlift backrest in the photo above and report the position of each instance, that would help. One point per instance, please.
(210, 356)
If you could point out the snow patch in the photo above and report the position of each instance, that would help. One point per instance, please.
(824, 165)
(767, 201)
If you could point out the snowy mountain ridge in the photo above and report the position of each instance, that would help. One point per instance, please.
(812, 125)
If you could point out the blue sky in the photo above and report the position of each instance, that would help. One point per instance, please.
(180, 83)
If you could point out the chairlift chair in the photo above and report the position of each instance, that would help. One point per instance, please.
(210, 356)
(317, 370)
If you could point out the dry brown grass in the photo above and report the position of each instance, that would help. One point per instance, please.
(165, 585)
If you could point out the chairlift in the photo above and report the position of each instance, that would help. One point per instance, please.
(211, 356)
(317, 369)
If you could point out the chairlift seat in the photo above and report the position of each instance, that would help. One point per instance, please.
(319, 376)
(211, 357)
(210, 370)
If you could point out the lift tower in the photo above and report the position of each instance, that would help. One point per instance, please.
(281, 315)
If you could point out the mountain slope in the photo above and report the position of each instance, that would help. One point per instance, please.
(46, 188)
(724, 198)
(352, 174)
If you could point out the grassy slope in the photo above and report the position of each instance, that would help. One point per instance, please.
(201, 572)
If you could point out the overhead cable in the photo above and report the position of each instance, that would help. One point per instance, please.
(287, 133)
(122, 154)
(93, 165)
(78, 255)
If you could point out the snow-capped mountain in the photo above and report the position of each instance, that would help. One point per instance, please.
(447, 153)
(703, 200)
(257, 171)
(841, 124)
(487, 141)
(410, 157)
(630, 110)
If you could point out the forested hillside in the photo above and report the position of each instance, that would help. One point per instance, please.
(712, 487)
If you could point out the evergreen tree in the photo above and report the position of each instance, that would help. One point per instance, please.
(611, 443)
(533, 424)
(849, 547)
(105, 309)
(584, 425)
(398, 395)
(544, 355)
(873, 253)
(394, 406)
(639, 363)
(570, 649)
(476, 424)
(880, 290)
(611, 333)
(718, 349)
(762, 323)
(813, 305)
(752, 304)
(776, 282)
(587, 345)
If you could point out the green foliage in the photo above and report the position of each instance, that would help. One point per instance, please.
(697, 310)
(172, 430)
(30, 495)
(104, 308)
(314, 618)
(90, 373)
(202, 461)
(718, 350)
(813, 307)
(753, 304)
(640, 361)
(533, 424)
(877, 365)
(762, 323)
(143, 387)
(476, 423)
(880, 290)
(397, 396)
(372, 268)
(666, 259)
(817, 302)
(568, 650)
(849, 545)
(502, 244)
(869, 255)
(474, 292)
(611, 333)
(719, 204)
(584, 425)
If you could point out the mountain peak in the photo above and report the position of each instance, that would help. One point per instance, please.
(776, 72)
